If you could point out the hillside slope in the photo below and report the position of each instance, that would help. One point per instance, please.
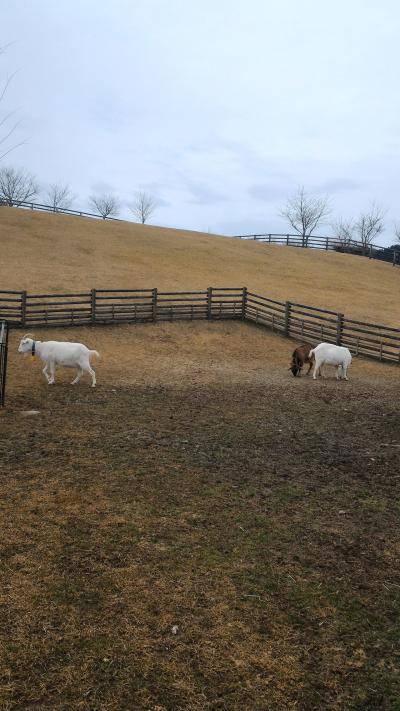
(48, 253)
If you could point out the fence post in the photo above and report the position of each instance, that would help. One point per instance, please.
(288, 306)
(93, 306)
(209, 302)
(326, 244)
(244, 302)
(3, 360)
(339, 329)
(23, 308)
(370, 251)
(154, 304)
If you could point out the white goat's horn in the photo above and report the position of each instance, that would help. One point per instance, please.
(27, 335)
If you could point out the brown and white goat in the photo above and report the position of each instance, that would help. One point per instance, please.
(301, 355)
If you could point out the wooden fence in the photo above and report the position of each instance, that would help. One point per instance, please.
(50, 208)
(373, 251)
(313, 325)
(108, 306)
(301, 322)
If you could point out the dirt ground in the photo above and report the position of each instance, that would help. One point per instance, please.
(200, 532)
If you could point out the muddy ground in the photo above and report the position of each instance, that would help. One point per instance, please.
(200, 532)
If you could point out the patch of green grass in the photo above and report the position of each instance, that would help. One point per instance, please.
(374, 504)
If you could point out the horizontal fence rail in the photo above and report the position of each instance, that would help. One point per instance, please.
(108, 306)
(50, 208)
(301, 322)
(373, 251)
(312, 325)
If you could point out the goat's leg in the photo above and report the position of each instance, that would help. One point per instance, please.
(316, 371)
(45, 372)
(93, 374)
(78, 376)
(88, 369)
(311, 365)
(52, 366)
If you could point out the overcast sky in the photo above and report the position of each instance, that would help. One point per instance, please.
(219, 108)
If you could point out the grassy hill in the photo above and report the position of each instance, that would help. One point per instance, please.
(50, 253)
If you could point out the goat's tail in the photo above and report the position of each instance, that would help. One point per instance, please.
(94, 353)
(311, 354)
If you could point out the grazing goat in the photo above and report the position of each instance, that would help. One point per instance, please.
(328, 354)
(301, 356)
(54, 353)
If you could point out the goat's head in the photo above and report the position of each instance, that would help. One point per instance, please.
(295, 368)
(26, 344)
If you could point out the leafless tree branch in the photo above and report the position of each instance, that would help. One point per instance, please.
(17, 186)
(370, 224)
(107, 205)
(305, 212)
(5, 119)
(344, 231)
(143, 206)
(59, 196)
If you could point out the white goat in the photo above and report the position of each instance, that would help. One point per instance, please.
(328, 354)
(54, 353)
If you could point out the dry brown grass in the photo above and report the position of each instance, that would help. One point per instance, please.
(61, 253)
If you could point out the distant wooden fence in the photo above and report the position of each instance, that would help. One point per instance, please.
(50, 208)
(373, 251)
(110, 306)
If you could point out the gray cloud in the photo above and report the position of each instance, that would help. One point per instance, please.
(203, 195)
(268, 192)
(338, 185)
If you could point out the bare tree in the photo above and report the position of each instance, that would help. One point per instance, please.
(143, 206)
(305, 212)
(107, 205)
(59, 196)
(17, 186)
(344, 231)
(7, 123)
(397, 230)
(369, 225)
